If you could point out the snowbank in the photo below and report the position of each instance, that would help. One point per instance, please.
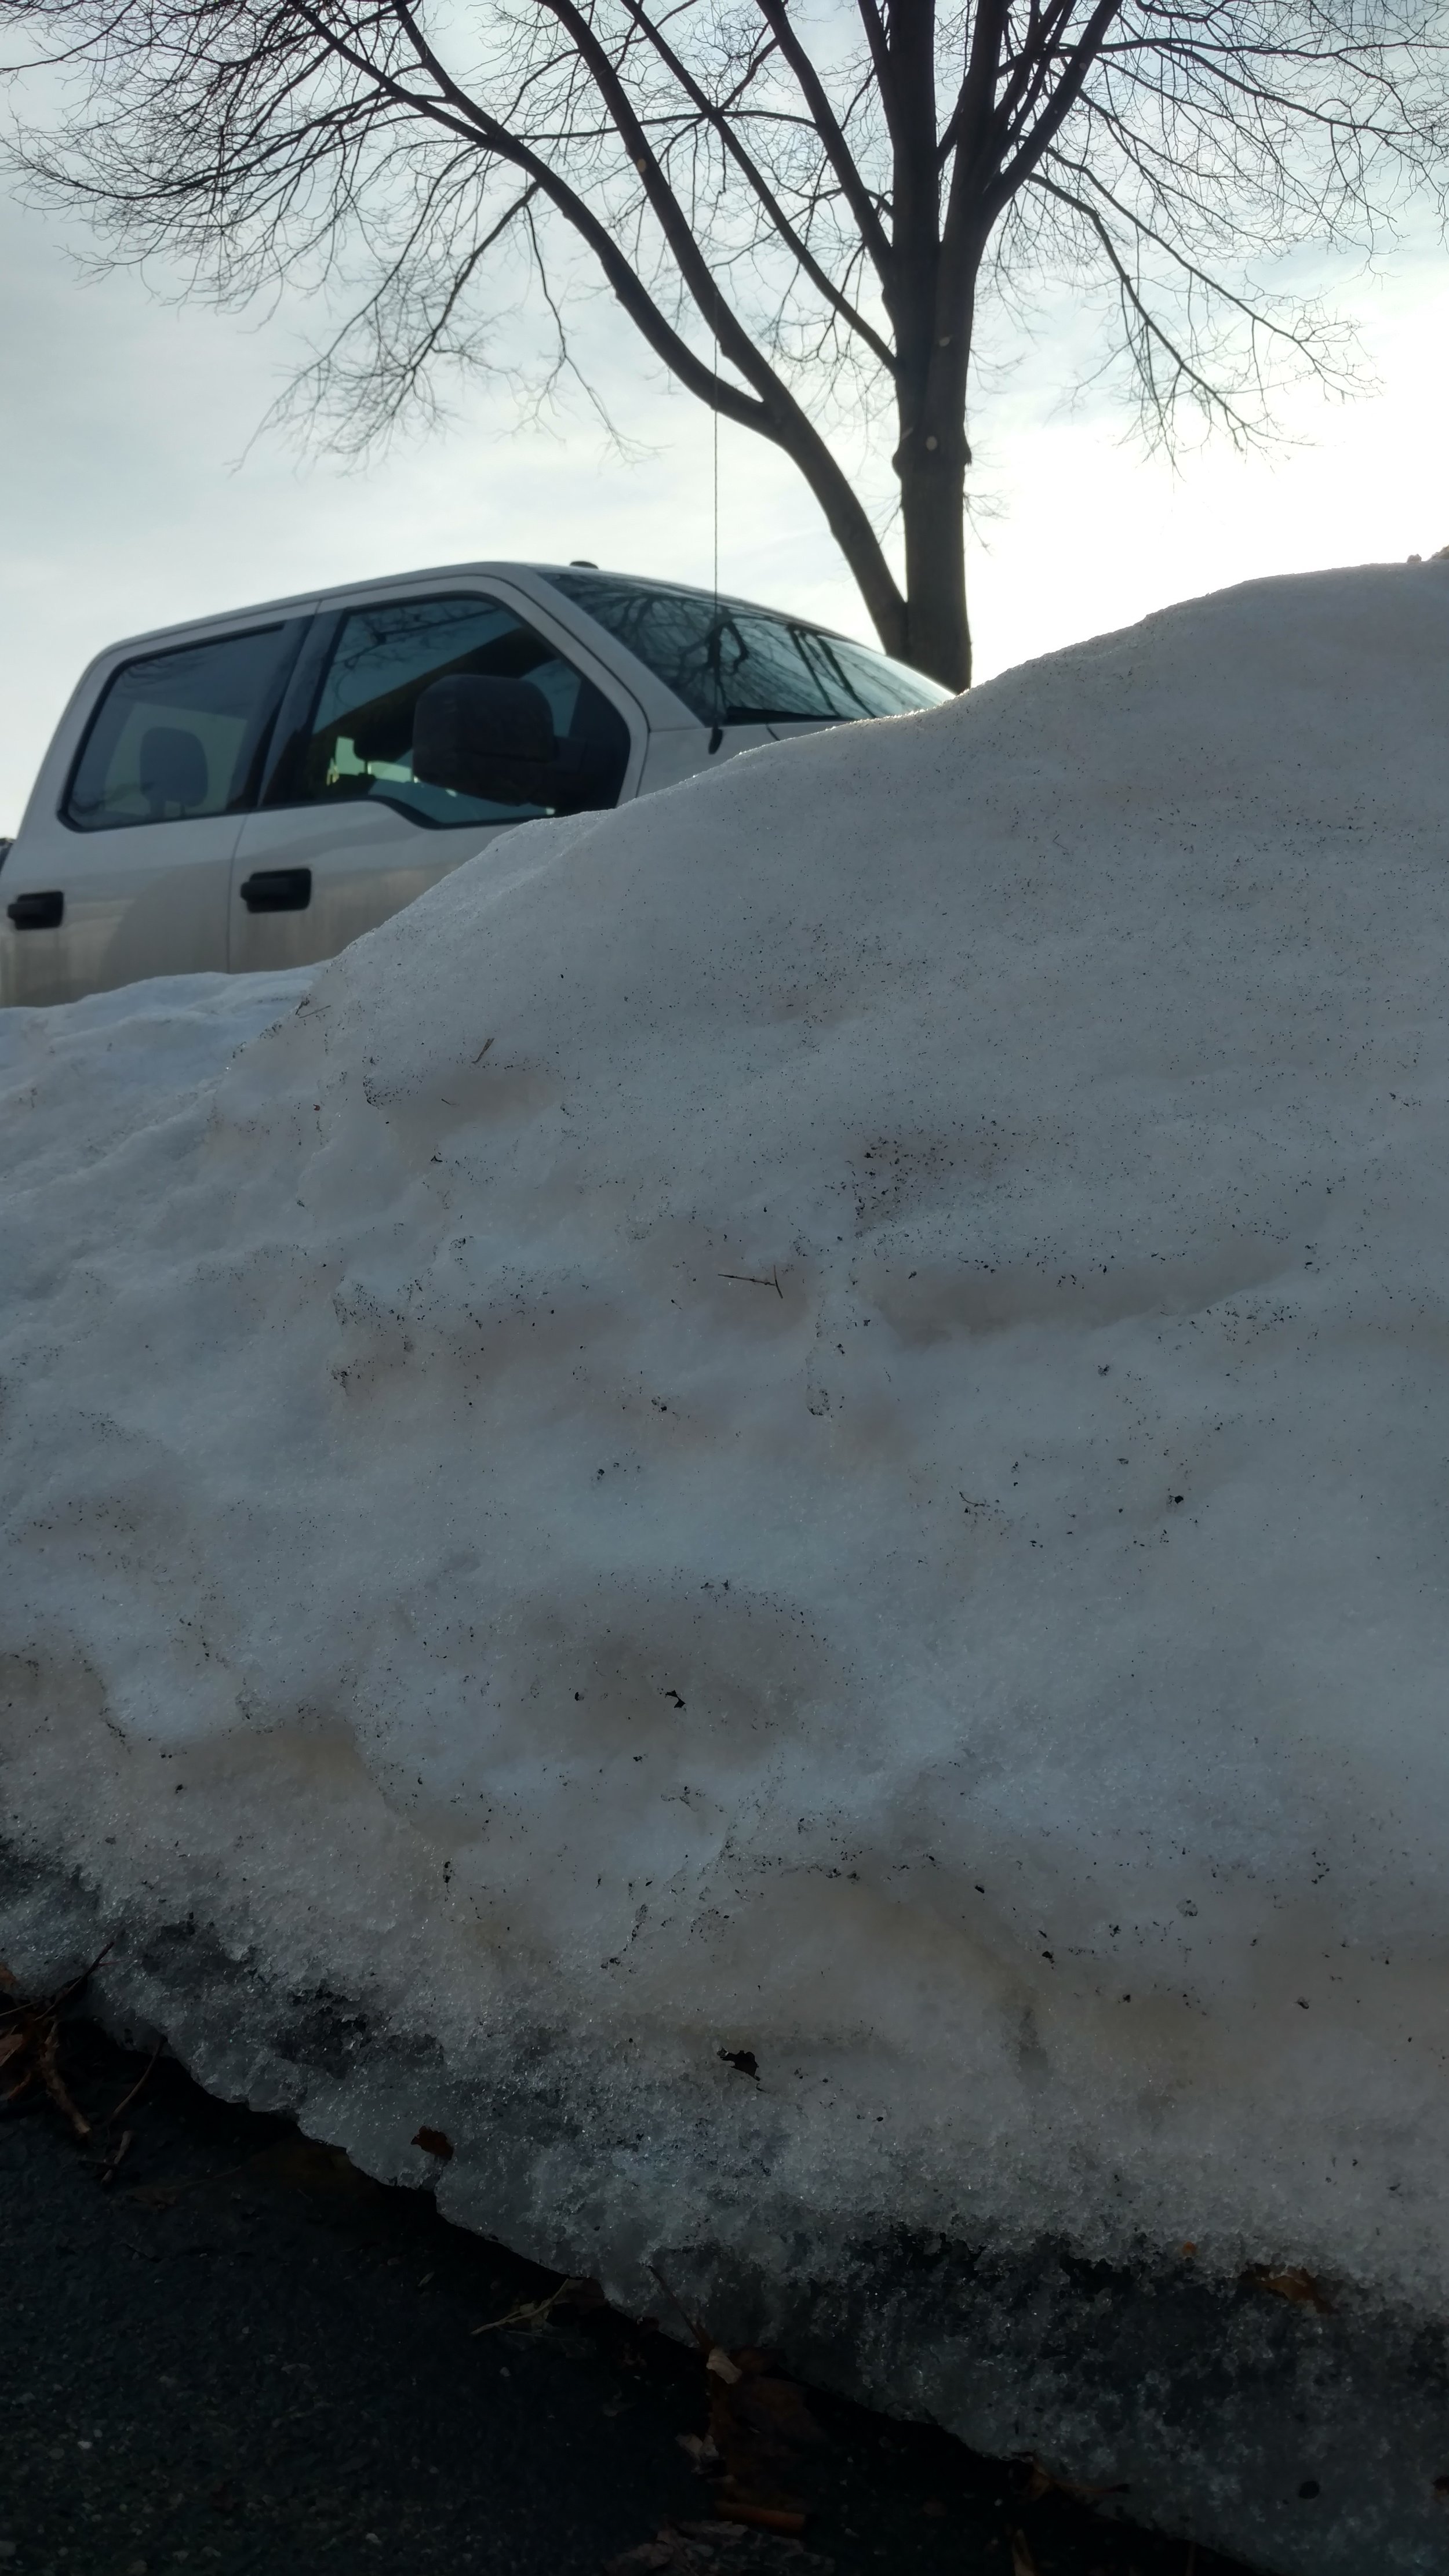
(811, 1420)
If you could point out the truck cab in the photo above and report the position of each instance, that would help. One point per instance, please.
(255, 790)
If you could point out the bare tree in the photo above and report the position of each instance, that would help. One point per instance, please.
(798, 206)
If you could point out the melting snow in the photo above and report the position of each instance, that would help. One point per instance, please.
(806, 1422)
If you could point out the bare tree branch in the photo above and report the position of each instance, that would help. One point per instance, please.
(800, 211)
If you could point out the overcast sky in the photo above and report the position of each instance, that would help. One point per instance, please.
(123, 420)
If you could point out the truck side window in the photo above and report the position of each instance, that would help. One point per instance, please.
(181, 734)
(358, 744)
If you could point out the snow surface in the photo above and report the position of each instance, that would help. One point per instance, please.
(808, 1418)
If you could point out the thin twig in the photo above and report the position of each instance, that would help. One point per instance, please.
(530, 2312)
(22, 2011)
(143, 2078)
(108, 2170)
(54, 2082)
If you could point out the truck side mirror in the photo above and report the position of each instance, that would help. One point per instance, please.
(487, 738)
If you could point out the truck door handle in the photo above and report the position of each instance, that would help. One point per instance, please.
(37, 911)
(278, 890)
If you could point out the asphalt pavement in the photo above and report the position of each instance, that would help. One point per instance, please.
(230, 2351)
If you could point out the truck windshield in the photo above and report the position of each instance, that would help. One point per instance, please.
(734, 664)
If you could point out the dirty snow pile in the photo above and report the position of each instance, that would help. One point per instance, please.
(806, 1426)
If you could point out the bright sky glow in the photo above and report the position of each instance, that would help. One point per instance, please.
(122, 420)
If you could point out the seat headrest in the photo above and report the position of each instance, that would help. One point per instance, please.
(173, 769)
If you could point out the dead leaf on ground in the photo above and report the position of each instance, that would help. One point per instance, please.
(773, 2405)
(758, 2420)
(763, 2517)
(1299, 2287)
(698, 2448)
(30, 2046)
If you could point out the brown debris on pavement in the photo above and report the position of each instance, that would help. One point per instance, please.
(758, 2421)
(1298, 2287)
(30, 2045)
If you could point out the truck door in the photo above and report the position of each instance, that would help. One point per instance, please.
(345, 835)
(125, 871)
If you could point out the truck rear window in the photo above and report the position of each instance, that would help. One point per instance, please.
(179, 734)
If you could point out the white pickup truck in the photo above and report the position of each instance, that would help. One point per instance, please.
(255, 790)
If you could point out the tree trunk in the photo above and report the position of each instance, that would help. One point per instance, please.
(932, 310)
(933, 510)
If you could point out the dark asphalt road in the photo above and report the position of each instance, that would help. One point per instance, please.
(241, 2356)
